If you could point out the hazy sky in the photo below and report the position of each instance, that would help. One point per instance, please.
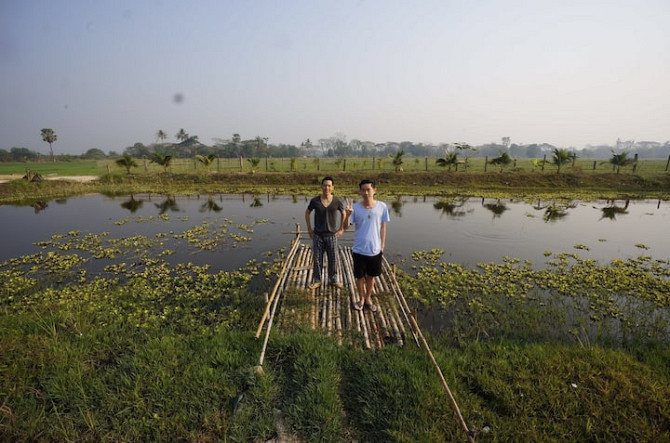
(108, 74)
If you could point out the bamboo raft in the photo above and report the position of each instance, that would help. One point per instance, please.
(332, 309)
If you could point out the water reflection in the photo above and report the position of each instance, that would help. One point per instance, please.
(612, 210)
(210, 206)
(256, 203)
(475, 236)
(170, 204)
(39, 206)
(496, 208)
(451, 208)
(396, 206)
(554, 211)
(132, 204)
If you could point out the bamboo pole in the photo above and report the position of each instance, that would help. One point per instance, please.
(280, 279)
(461, 420)
(400, 298)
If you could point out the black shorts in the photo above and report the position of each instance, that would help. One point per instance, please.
(370, 265)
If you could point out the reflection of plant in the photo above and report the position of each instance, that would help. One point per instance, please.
(450, 208)
(210, 205)
(169, 204)
(613, 210)
(396, 206)
(132, 205)
(497, 208)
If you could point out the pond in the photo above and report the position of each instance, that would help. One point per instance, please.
(227, 231)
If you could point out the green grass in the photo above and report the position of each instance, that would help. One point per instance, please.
(369, 165)
(150, 351)
(77, 167)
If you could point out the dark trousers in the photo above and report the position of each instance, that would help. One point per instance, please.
(327, 244)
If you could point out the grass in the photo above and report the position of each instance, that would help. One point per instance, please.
(148, 351)
(356, 165)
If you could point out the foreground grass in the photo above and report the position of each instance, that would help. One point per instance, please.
(148, 351)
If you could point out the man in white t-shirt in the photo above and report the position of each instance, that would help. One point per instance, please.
(369, 217)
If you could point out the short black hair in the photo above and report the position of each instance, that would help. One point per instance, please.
(328, 178)
(365, 181)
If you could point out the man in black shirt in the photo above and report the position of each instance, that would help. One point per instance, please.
(327, 229)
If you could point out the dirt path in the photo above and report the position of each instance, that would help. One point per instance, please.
(72, 178)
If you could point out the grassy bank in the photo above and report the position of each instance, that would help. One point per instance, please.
(514, 184)
(148, 351)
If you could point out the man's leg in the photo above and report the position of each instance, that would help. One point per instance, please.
(331, 250)
(317, 261)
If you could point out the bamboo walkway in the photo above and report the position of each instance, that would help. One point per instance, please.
(332, 309)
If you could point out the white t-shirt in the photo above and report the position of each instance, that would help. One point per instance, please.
(368, 223)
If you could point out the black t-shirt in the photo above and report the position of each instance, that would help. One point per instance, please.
(326, 219)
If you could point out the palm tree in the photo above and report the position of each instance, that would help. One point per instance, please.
(501, 161)
(450, 159)
(206, 160)
(160, 136)
(49, 136)
(163, 160)
(397, 161)
(126, 162)
(254, 163)
(181, 135)
(620, 160)
(561, 157)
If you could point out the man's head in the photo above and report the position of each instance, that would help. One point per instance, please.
(367, 181)
(327, 185)
(367, 188)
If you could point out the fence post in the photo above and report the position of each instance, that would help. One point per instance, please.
(344, 165)
(594, 164)
(426, 163)
(635, 164)
(486, 162)
(544, 160)
(667, 164)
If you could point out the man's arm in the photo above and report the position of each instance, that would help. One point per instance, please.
(382, 233)
(308, 222)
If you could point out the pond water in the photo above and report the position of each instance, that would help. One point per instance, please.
(469, 230)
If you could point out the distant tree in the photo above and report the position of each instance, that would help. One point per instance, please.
(619, 161)
(502, 160)
(49, 136)
(127, 162)
(562, 156)
(94, 154)
(161, 136)
(398, 161)
(164, 160)
(181, 135)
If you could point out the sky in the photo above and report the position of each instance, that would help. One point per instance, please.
(108, 74)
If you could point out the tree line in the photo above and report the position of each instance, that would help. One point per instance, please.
(188, 146)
